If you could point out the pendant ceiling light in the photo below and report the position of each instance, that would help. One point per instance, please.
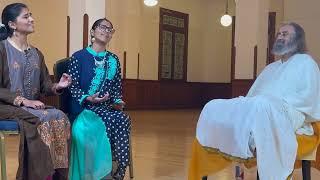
(226, 19)
(150, 2)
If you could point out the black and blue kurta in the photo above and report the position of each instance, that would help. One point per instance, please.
(92, 73)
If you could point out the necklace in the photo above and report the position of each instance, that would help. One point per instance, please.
(100, 63)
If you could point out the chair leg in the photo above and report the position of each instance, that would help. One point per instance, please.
(131, 161)
(3, 157)
(306, 170)
(204, 177)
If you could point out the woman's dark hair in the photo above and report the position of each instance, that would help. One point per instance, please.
(97, 22)
(10, 13)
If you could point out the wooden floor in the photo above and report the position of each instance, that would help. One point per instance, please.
(161, 143)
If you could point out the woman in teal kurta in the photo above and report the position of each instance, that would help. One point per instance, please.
(97, 98)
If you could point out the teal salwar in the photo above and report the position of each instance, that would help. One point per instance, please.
(91, 157)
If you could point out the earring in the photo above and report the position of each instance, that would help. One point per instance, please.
(14, 32)
(93, 39)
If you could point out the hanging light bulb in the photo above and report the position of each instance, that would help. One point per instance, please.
(226, 19)
(150, 2)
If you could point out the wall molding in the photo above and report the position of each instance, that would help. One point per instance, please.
(152, 94)
(240, 87)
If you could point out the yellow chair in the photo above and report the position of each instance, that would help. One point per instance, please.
(205, 161)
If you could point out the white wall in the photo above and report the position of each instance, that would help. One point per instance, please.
(137, 31)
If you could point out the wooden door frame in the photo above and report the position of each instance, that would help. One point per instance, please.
(162, 27)
(271, 36)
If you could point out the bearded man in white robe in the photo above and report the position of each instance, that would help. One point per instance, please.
(283, 101)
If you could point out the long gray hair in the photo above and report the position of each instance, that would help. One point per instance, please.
(299, 38)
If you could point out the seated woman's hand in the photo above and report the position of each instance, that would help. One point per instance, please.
(96, 99)
(65, 81)
(35, 104)
(119, 105)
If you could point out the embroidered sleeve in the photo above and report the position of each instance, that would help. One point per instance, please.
(18, 101)
(76, 91)
(5, 94)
